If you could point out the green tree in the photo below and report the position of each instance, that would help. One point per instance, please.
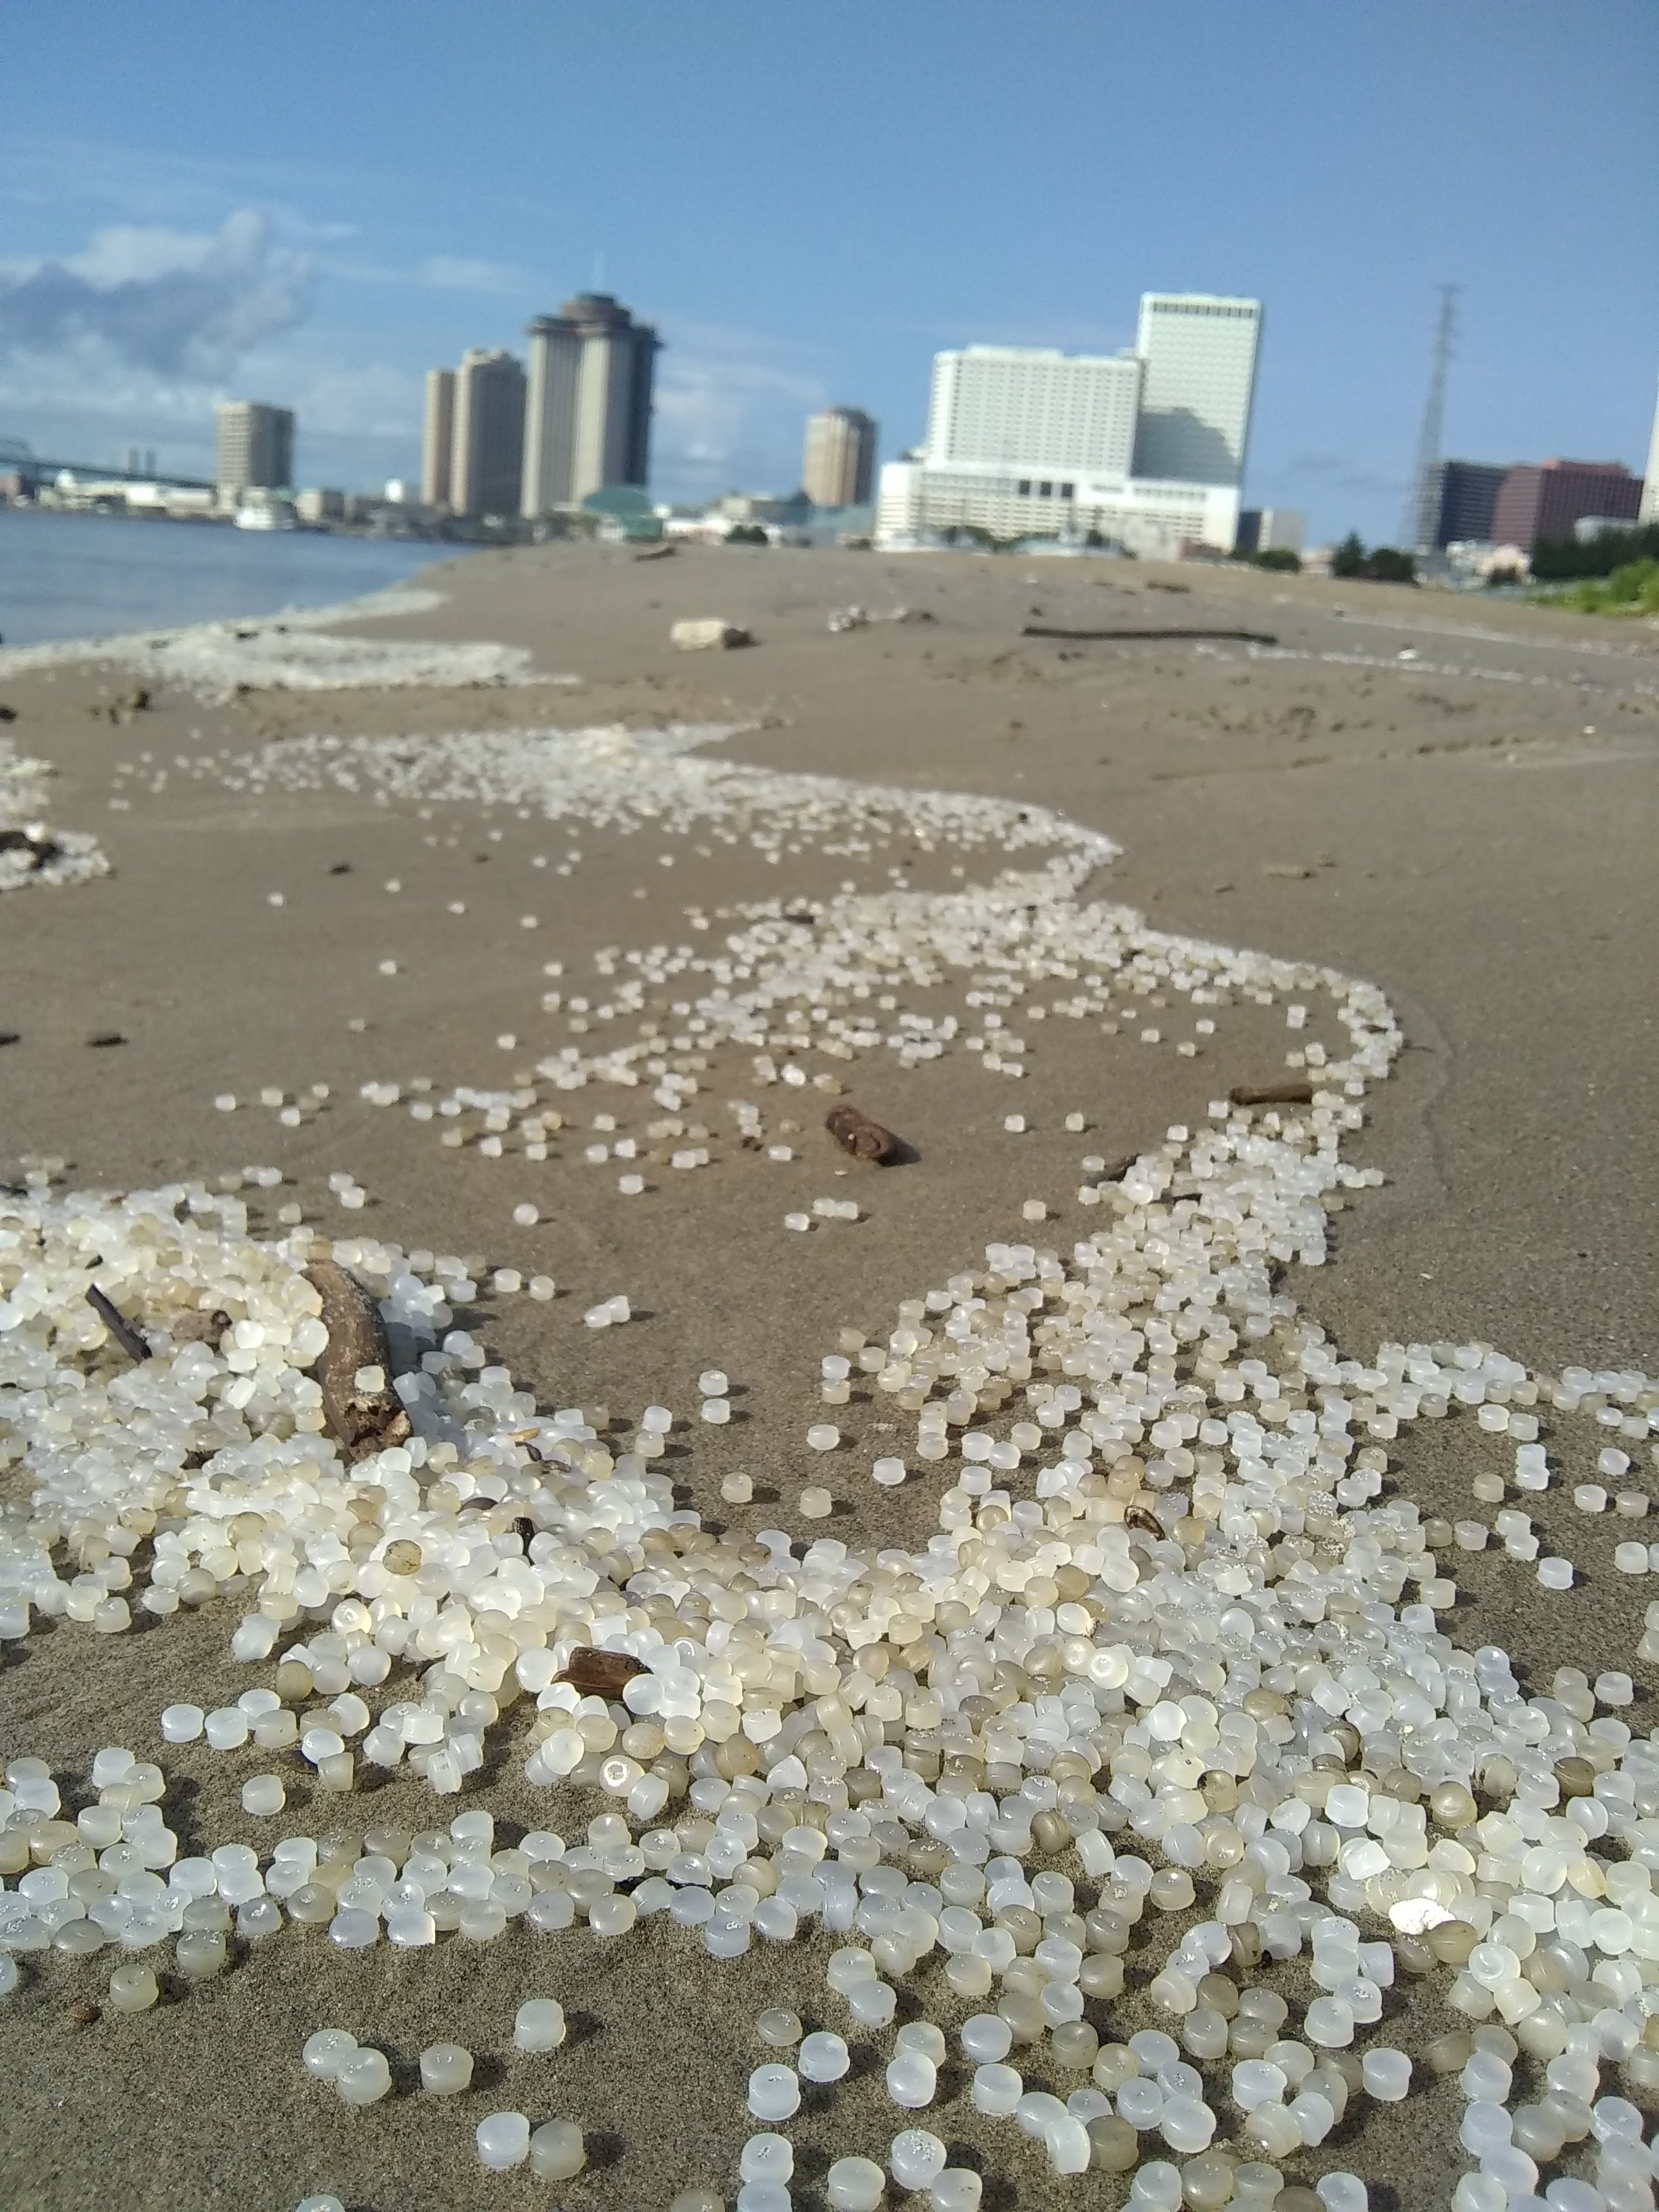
(1349, 558)
(1388, 565)
(1557, 559)
(1279, 558)
(746, 533)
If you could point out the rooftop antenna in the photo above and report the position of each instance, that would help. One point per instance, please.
(1417, 528)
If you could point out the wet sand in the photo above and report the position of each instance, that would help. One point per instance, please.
(1471, 830)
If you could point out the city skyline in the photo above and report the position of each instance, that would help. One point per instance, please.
(323, 247)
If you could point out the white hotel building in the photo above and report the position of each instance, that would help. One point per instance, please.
(1145, 448)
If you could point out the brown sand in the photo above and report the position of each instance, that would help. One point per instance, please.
(1474, 830)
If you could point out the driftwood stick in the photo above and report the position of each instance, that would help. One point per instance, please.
(855, 1133)
(117, 1323)
(364, 1420)
(1109, 636)
(1293, 1091)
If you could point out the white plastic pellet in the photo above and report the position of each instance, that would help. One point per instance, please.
(327, 2051)
(774, 2094)
(557, 2151)
(264, 1794)
(446, 2069)
(364, 2077)
(854, 2185)
(539, 2025)
(912, 2080)
(915, 2158)
(503, 2141)
(767, 2157)
(823, 2057)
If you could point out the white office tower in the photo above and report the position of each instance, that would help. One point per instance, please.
(1143, 450)
(1200, 356)
(1649, 510)
(1025, 407)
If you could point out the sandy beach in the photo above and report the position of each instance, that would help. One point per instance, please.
(1451, 800)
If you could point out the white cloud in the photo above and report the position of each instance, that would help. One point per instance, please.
(150, 297)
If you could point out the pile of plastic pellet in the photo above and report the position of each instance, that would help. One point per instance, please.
(31, 852)
(1166, 1705)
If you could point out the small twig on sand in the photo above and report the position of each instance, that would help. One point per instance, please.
(1293, 1091)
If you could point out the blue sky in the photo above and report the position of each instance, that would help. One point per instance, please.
(312, 201)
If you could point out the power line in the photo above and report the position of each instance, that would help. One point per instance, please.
(1417, 528)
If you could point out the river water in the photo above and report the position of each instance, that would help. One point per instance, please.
(92, 575)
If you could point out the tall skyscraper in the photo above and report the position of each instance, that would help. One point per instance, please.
(438, 437)
(1199, 354)
(1034, 408)
(1649, 510)
(487, 451)
(587, 420)
(256, 447)
(839, 466)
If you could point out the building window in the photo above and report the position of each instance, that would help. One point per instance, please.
(1045, 490)
(1025, 487)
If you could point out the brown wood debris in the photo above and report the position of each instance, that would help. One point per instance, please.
(855, 1133)
(600, 1674)
(364, 1420)
(1295, 1091)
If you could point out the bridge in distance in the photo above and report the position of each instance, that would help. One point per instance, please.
(17, 454)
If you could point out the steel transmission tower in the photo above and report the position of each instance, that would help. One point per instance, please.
(1417, 528)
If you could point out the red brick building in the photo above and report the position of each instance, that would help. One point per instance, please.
(1537, 501)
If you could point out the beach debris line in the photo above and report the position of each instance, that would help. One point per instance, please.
(710, 633)
(354, 1366)
(222, 661)
(1155, 1649)
(1163, 1708)
(854, 1131)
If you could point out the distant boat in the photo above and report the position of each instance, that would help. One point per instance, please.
(266, 517)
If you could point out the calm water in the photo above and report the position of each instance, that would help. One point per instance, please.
(91, 575)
